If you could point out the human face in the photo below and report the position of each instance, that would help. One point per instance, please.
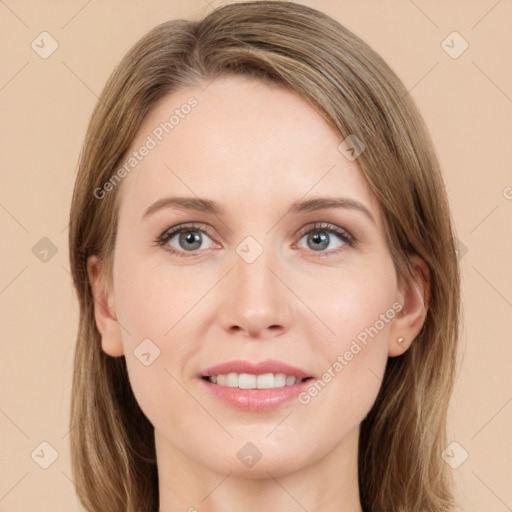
(251, 282)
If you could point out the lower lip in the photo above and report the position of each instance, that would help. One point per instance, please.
(256, 400)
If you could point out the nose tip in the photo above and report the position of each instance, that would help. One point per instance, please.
(256, 301)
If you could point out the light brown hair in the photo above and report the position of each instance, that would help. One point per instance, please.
(401, 440)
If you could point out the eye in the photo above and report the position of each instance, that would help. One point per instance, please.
(320, 237)
(190, 239)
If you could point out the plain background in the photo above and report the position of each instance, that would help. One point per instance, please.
(46, 104)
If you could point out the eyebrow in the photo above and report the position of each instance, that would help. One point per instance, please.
(299, 206)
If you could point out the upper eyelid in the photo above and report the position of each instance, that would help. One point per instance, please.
(197, 226)
(328, 226)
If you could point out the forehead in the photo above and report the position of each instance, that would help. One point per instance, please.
(244, 142)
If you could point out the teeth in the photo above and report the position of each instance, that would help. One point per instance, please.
(251, 381)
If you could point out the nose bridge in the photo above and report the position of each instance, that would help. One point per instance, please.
(257, 298)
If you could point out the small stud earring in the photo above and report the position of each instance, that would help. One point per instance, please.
(400, 340)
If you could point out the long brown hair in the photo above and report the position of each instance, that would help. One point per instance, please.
(404, 434)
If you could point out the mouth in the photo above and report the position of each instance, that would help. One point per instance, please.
(262, 375)
(255, 381)
(255, 387)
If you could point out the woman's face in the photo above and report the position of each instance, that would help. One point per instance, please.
(256, 280)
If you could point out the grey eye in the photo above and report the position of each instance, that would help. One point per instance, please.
(319, 240)
(188, 239)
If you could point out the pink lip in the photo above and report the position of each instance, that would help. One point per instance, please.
(255, 400)
(267, 366)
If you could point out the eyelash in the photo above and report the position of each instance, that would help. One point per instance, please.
(319, 227)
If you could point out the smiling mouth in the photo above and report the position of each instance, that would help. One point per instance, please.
(253, 381)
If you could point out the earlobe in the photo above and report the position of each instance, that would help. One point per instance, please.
(104, 310)
(414, 298)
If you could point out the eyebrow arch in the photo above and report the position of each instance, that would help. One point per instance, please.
(299, 206)
(323, 203)
(185, 203)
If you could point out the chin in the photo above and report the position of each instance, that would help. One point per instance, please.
(252, 459)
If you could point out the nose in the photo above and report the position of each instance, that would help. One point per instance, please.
(257, 303)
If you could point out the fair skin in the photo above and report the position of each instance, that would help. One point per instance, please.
(254, 148)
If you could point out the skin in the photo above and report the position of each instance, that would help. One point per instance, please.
(254, 148)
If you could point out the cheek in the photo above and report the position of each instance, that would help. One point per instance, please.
(361, 316)
(156, 309)
(355, 303)
(359, 309)
(153, 300)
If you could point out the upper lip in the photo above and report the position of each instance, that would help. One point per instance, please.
(267, 366)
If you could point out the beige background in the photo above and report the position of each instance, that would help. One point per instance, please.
(46, 104)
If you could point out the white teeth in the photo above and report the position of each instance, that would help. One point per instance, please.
(290, 380)
(245, 381)
(267, 381)
(251, 381)
(231, 380)
(279, 380)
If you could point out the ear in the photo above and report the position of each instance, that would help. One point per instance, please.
(414, 298)
(104, 310)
